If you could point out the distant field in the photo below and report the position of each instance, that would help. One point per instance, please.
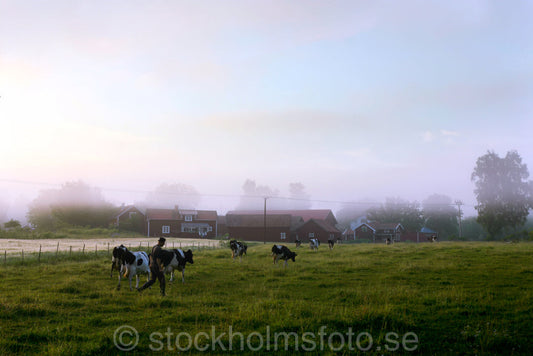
(430, 299)
(16, 246)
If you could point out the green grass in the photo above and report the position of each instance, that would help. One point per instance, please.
(457, 298)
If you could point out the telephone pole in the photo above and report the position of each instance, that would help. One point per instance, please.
(265, 221)
(459, 203)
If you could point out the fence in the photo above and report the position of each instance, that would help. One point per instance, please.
(87, 250)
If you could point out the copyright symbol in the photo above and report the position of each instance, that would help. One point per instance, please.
(126, 338)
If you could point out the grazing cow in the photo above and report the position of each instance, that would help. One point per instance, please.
(314, 243)
(129, 264)
(331, 243)
(298, 242)
(432, 238)
(389, 241)
(237, 249)
(174, 259)
(283, 253)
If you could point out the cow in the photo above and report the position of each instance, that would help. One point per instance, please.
(389, 241)
(331, 243)
(298, 242)
(314, 243)
(282, 252)
(129, 264)
(432, 238)
(237, 249)
(174, 259)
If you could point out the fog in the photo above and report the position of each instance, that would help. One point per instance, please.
(356, 101)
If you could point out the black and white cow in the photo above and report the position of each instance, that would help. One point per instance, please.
(238, 249)
(298, 242)
(314, 243)
(331, 243)
(175, 259)
(281, 252)
(129, 264)
(432, 238)
(389, 241)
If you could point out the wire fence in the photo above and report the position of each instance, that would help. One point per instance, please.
(89, 251)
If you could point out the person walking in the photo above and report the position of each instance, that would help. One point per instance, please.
(155, 269)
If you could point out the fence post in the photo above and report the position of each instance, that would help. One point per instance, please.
(39, 253)
(96, 249)
(83, 251)
(5, 257)
(23, 257)
(57, 249)
(70, 251)
(108, 248)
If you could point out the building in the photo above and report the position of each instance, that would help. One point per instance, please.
(375, 232)
(282, 225)
(181, 223)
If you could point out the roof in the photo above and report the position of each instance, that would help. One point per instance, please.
(188, 212)
(306, 214)
(124, 209)
(172, 214)
(161, 214)
(258, 220)
(427, 230)
(324, 225)
(206, 215)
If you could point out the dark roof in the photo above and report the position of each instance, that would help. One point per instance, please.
(306, 214)
(324, 225)
(258, 220)
(161, 214)
(206, 215)
(172, 214)
(385, 226)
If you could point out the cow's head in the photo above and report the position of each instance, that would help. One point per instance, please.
(188, 256)
(293, 256)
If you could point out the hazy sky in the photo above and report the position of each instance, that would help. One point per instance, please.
(357, 100)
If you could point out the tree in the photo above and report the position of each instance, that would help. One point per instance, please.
(299, 198)
(171, 195)
(253, 197)
(75, 203)
(504, 196)
(397, 210)
(12, 224)
(440, 214)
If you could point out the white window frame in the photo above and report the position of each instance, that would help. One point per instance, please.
(188, 217)
(210, 228)
(311, 235)
(166, 229)
(283, 235)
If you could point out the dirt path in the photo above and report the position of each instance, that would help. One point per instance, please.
(48, 245)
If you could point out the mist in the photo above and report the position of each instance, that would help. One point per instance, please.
(357, 102)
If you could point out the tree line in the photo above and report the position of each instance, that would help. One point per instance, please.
(503, 192)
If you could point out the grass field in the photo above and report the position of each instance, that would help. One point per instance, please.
(430, 299)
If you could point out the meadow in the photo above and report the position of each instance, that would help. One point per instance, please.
(431, 299)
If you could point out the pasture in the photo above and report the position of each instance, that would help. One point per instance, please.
(430, 299)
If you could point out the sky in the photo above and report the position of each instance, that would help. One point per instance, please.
(356, 100)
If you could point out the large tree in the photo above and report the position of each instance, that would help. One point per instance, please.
(398, 210)
(75, 203)
(504, 195)
(440, 214)
(298, 196)
(254, 195)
